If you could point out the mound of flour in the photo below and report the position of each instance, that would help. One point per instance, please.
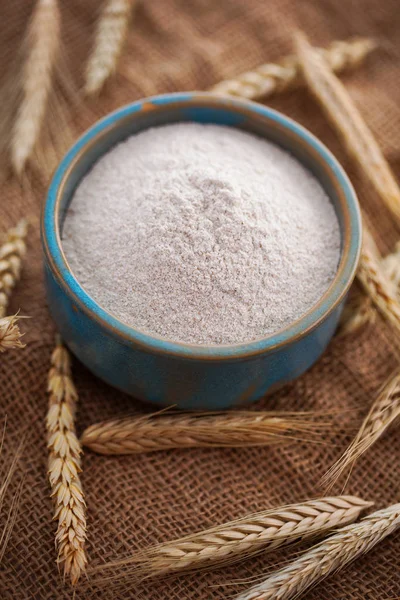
(202, 234)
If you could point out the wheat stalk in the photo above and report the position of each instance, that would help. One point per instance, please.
(236, 540)
(384, 411)
(226, 429)
(10, 520)
(12, 252)
(65, 466)
(348, 122)
(327, 557)
(112, 30)
(6, 480)
(10, 335)
(272, 78)
(43, 44)
(4, 485)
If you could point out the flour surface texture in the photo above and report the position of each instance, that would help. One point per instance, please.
(202, 234)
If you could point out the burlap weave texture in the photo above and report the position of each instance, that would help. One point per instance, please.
(138, 500)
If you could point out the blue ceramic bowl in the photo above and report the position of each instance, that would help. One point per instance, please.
(161, 370)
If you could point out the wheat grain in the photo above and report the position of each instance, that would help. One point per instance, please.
(12, 252)
(10, 335)
(348, 122)
(236, 540)
(111, 33)
(65, 466)
(341, 548)
(232, 429)
(43, 44)
(272, 78)
(384, 411)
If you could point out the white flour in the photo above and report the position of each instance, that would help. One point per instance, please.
(202, 234)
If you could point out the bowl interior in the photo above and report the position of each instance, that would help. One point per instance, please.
(205, 108)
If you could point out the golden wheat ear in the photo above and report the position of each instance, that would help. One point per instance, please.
(375, 283)
(41, 49)
(10, 335)
(358, 311)
(273, 78)
(236, 540)
(112, 30)
(331, 555)
(384, 411)
(391, 267)
(65, 466)
(238, 429)
(348, 122)
(12, 252)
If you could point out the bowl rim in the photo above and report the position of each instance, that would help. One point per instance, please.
(351, 232)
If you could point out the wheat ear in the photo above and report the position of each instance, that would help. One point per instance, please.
(327, 557)
(10, 335)
(391, 267)
(384, 411)
(232, 429)
(357, 312)
(272, 78)
(348, 122)
(359, 309)
(65, 466)
(43, 43)
(12, 252)
(236, 540)
(376, 284)
(112, 30)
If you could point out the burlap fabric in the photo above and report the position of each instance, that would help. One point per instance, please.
(136, 501)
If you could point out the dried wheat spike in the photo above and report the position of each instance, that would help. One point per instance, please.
(272, 78)
(65, 466)
(236, 540)
(10, 335)
(357, 312)
(42, 47)
(384, 411)
(232, 429)
(327, 557)
(359, 309)
(112, 30)
(376, 285)
(391, 267)
(348, 122)
(11, 254)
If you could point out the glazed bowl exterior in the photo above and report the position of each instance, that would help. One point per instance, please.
(163, 371)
